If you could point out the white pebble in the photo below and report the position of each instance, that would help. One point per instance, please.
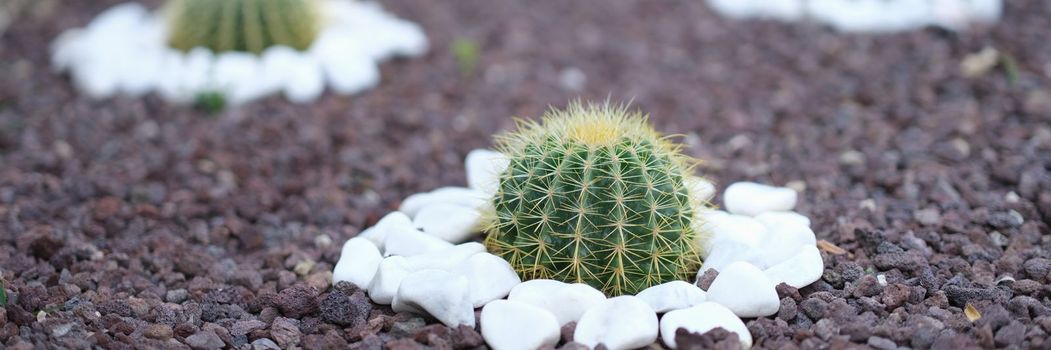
(346, 68)
(357, 263)
(672, 295)
(378, 233)
(701, 319)
(450, 222)
(776, 218)
(448, 258)
(388, 277)
(566, 301)
(724, 253)
(509, 325)
(749, 198)
(484, 168)
(124, 49)
(491, 277)
(701, 189)
(305, 80)
(624, 322)
(745, 290)
(722, 226)
(408, 242)
(441, 294)
(238, 75)
(786, 10)
(782, 242)
(446, 195)
(801, 270)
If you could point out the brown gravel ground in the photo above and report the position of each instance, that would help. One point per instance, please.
(131, 223)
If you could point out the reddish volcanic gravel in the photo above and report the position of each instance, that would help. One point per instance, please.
(131, 223)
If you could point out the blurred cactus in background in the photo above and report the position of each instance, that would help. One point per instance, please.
(243, 25)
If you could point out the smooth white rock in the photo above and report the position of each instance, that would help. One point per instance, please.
(509, 325)
(441, 294)
(801, 270)
(873, 16)
(346, 68)
(750, 198)
(701, 319)
(124, 50)
(305, 80)
(672, 295)
(462, 196)
(777, 218)
(484, 168)
(409, 241)
(721, 226)
(786, 10)
(700, 187)
(624, 322)
(783, 242)
(239, 76)
(358, 262)
(388, 277)
(745, 290)
(726, 252)
(378, 33)
(449, 258)
(491, 277)
(566, 301)
(450, 222)
(388, 223)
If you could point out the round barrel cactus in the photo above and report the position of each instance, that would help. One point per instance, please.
(242, 25)
(594, 195)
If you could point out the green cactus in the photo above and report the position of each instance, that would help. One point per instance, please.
(242, 25)
(595, 195)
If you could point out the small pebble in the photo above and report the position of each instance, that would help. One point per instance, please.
(491, 277)
(672, 295)
(700, 319)
(357, 263)
(783, 242)
(205, 340)
(378, 233)
(624, 322)
(509, 325)
(450, 222)
(285, 332)
(462, 196)
(388, 277)
(484, 168)
(799, 271)
(745, 290)
(158, 331)
(702, 189)
(566, 301)
(778, 218)
(443, 295)
(445, 259)
(751, 199)
(407, 241)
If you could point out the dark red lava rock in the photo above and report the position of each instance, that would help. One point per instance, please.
(345, 310)
(717, 338)
(297, 301)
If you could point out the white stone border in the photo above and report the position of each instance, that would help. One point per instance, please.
(124, 51)
(414, 260)
(872, 16)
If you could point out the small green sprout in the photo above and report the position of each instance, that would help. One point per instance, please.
(467, 54)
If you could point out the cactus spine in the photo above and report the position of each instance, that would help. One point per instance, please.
(595, 195)
(242, 25)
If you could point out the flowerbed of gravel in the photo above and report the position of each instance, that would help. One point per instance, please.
(131, 222)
